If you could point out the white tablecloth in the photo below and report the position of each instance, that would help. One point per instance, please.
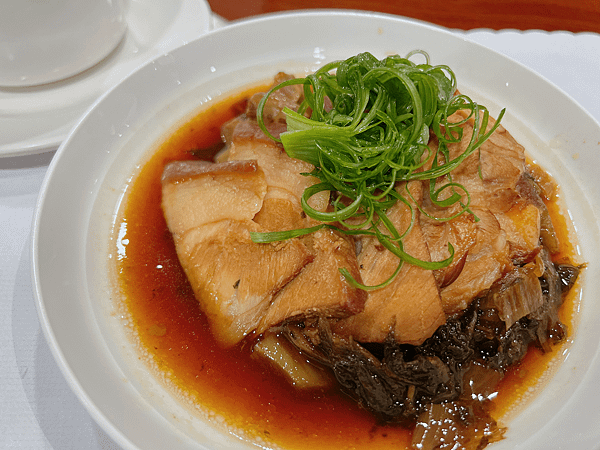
(37, 408)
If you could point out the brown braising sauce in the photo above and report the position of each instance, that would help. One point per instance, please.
(247, 393)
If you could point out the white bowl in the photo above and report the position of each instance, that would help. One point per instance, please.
(86, 182)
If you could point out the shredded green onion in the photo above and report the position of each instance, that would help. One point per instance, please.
(371, 133)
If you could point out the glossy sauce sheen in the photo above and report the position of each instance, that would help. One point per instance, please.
(230, 383)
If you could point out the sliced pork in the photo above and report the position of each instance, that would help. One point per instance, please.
(320, 290)
(491, 173)
(243, 286)
(246, 126)
(255, 186)
(235, 279)
(283, 174)
(501, 228)
(410, 307)
(209, 209)
(485, 250)
(229, 190)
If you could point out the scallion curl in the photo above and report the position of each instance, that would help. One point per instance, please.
(374, 136)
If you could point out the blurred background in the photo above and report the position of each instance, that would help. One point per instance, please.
(549, 15)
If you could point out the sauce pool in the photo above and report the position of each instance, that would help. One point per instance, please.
(230, 383)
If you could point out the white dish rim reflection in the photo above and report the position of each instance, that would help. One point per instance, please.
(81, 193)
(40, 117)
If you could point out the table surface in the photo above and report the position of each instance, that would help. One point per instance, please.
(38, 410)
(548, 15)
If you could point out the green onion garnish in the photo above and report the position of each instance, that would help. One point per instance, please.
(372, 133)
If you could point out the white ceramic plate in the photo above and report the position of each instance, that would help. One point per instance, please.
(38, 118)
(88, 177)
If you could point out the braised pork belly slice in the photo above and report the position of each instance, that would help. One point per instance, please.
(244, 286)
(491, 173)
(281, 171)
(484, 248)
(281, 211)
(502, 166)
(199, 192)
(235, 279)
(410, 306)
(242, 127)
(461, 232)
(209, 210)
(504, 228)
(320, 290)
(246, 126)
(288, 96)
(521, 224)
